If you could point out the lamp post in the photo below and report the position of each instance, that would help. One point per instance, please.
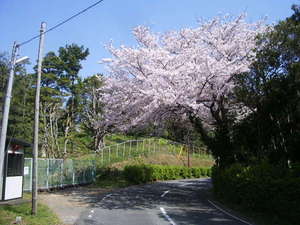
(6, 105)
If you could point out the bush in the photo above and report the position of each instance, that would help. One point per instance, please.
(262, 188)
(105, 172)
(138, 174)
(143, 173)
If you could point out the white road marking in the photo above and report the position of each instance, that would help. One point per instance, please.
(92, 211)
(166, 192)
(167, 216)
(90, 216)
(227, 213)
(106, 196)
(185, 184)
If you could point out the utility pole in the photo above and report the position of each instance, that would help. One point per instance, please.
(6, 107)
(36, 120)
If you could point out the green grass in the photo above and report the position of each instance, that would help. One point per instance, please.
(44, 215)
(164, 159)
(151, 150)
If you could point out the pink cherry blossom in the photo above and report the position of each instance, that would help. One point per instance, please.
(176, 73)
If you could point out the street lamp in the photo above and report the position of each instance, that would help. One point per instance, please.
(22, 60)
(6, 106)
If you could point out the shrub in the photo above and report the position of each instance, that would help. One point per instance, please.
(138, 173)
(143, 173)
(262, 188)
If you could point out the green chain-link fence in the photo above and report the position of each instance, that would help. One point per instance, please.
(53, 173)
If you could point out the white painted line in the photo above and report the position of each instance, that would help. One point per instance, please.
(167, 216)
(92, 211)
(106, 196)
(227, 213)
(185, 184)
(90, 216)
(166, 192)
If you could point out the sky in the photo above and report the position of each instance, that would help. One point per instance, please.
(113, 20)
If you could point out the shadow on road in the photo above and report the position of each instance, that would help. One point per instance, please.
(149, 195)
(185, 201)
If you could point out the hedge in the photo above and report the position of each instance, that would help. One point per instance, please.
(261, 188)
(143, 173)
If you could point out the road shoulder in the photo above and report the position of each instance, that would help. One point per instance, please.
(70, 203)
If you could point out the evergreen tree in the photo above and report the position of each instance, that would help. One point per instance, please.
(272, 91)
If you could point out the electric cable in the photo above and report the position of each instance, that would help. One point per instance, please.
(61, 23)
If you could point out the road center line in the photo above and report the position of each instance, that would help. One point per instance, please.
(166, 192)
(227, 213)
(167, 216)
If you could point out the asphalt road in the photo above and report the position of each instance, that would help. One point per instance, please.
(184, 202)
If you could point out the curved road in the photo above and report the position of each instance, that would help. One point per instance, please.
(183, 202)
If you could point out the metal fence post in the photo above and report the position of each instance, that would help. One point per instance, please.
(141, 151)
(144, 147)
(61, 173)
(130, 148)
(83, 177)
(73, 173)
(30, 174)
(174, 150)
(94, 171)
(117, 152)
(47, 181)
(109, 154)
(159, 145)
(124, 150)
(102, 156)
(50, 173)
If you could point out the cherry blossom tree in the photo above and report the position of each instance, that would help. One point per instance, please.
(185, 73)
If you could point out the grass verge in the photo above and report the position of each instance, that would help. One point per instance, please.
(45, 216)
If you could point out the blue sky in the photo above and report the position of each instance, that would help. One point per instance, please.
(114, 20)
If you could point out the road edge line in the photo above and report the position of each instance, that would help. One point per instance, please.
(167, 216)
(229, 214)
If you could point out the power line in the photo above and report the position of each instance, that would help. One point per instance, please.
(61, 23)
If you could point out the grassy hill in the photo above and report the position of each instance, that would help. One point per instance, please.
(123, 150)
